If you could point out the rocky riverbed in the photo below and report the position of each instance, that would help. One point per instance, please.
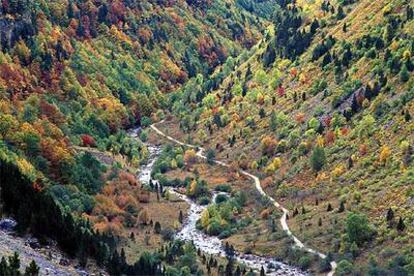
(211, 244)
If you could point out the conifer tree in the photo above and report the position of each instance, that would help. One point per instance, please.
(32, 269)
(401, 225)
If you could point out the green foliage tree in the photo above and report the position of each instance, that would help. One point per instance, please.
(358, 229)
(211, 154)
(318, 158)
(344, 268)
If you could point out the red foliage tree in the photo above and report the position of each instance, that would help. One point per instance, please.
(281, 91)
(88, 141)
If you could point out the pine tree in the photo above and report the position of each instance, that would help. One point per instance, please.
(401, 225)
(341, 14)
(181, 217)
(341, 207)
(262, 113)
(318, 159)
(329, 207)
(157, 228)
(262, 272)
(32, 269)
(404, 74)
(273, 121)
(407, 116)
(390, 215)
(14, 264)
(4, 267)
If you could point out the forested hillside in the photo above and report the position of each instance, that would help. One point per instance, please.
(74, 76)
(322, 111)
(315, 98)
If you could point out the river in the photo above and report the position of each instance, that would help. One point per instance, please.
(211, 244)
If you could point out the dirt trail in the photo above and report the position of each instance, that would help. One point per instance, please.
(283, 219)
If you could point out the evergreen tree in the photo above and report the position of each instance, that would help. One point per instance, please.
(262, 113)
(314, 26)
(273, 121)
(341, 207)
(390, 215)
(329, 207)
(318, 159)
(407, 116)
(14, 264)
(262, 272)
(210, 156)
(157, 227)
(32, 269)
(181, 217)
(401, 225)
(4, 267)
(341, 14)
(404, 74)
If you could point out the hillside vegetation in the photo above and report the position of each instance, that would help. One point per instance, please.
(74, 76)
(322, 110)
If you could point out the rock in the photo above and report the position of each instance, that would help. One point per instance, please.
(64, 262)
(7, 224)
(33, 243)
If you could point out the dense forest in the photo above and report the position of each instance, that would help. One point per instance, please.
(74, 76)
(315, 98)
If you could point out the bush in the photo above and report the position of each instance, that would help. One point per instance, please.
(223, 188)
(305, 262)
(146, 121)
(214, 228)
(167, 234)
(221, 198)
(344, 268)
(224, 234)
(204, 200)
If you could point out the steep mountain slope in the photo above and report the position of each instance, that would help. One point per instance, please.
(322, 109)
(73, 76)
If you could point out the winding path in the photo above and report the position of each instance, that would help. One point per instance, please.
(283, 219)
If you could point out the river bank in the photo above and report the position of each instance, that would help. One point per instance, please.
(211, 244)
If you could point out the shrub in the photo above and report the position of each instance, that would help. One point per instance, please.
(146, 121)
(305, 262)
(221, 198)
(167, 234)
(214, 228)
(204, 200)
(223, 188)
(344, 268)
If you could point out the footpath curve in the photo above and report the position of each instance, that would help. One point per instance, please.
(283, 219)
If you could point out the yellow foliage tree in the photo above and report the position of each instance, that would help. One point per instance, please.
(193, 188)
(205, 217)
(384, 154)
(338, 171)
(190, 157)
